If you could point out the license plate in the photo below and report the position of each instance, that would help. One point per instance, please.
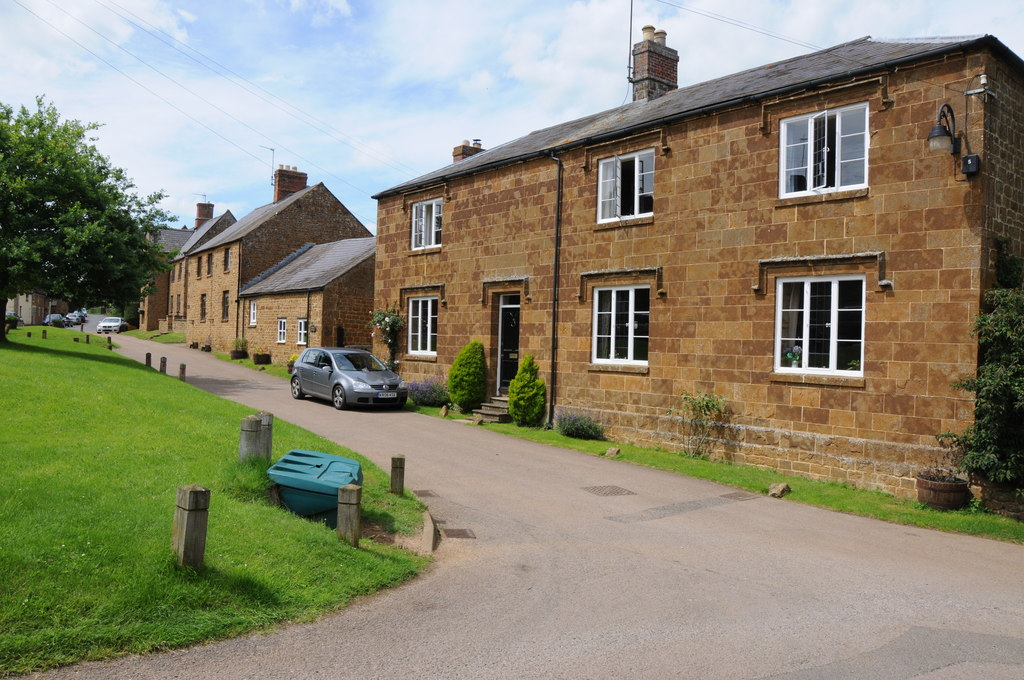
(387, 395)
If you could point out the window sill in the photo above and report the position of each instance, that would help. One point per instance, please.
(823, 197)
(424, 358)
(424, 251)
(814, 379)
(625, 222)
(619, 368)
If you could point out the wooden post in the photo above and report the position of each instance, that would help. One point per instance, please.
(350, 525)
(190, 518)
(181, 371)
(398, 475)
(265, 444)
(28, 334)
(149, 360)
(249, 439)
(110, 342)
(44, 334)
(87, 339)
(76, 339)
(163, 365)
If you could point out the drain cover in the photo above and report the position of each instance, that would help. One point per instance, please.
(425, 493)
(458, 533)
(740, 496)
(608, 491)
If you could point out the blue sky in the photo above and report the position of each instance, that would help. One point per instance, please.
(363, 95)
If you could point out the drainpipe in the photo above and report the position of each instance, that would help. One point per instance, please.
(554, 295)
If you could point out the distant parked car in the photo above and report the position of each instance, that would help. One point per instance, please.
(56, 320)
(112, 324)
(348, 377)
(74, 319)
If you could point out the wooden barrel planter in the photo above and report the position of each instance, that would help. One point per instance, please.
(943, 495)
(261, 359)
(238, 353)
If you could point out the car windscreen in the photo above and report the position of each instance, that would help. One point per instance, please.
(357, 362)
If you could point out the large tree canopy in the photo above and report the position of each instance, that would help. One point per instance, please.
(71, 224)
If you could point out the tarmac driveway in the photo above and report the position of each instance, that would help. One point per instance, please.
(573, 566)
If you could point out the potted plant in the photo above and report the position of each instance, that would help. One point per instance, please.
(260, 356)
(239, 348)
(291, 362)
(940, 486)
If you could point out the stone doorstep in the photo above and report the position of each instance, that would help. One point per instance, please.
(494, 411)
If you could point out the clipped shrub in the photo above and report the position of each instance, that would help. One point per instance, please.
(578, 425)
(527, 394)
(704, 416)
(467, 378)
(430, 392)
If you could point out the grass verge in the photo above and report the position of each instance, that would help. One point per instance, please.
(94, 447)
(829, 495)
(158, 336)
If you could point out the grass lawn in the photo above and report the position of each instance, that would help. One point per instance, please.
(94, 447)
(830, 495)
(158, 336)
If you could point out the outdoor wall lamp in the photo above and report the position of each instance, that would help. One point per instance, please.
(943, 137)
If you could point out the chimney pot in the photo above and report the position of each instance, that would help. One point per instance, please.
(648, 32)
(659, 37)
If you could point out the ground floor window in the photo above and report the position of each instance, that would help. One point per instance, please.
(423, 325)
(252, 312)
(820, 324)
(202, 307)
(303, 332)
(621, 331)
(225, 305)
(282, 330)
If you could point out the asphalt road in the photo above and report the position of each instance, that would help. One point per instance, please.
(581, 567)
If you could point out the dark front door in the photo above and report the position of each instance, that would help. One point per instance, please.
(508, 341)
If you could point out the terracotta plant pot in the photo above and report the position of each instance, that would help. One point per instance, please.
(951, 495)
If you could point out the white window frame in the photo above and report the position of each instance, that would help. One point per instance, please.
(282, 330)
(604, 326)
(302, 332)
(637, 177)
(805, 151)
(422, 330)
(252, 312)
(427, 217)
(795, 331)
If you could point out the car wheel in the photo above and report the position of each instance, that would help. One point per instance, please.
(297, 392)
(338, 397)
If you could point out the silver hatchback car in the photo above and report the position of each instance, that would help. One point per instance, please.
(348, 377)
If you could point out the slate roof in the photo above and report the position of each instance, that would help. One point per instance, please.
(197, 235)
(253, 220)
(314, 267)
(172, 239)
(855, 58)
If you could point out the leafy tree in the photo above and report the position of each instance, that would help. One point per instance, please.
(526, 394)
(467, 378)
(70, 223)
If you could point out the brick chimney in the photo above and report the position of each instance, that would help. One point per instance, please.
(287, 181)
(465, 150)
(204, 211)
(654, 66)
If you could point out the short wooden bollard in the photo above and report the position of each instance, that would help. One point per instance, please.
(76, 339)
(163, 365)
(28, 334)
(87, 339)
(398, 475)
(181, 371)
(110, 342)
(350, 525)
(265, 443)
(44, 334)
(149, 360)
(190, 518)
(249, 439)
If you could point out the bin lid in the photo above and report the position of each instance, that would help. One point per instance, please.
(315, 471)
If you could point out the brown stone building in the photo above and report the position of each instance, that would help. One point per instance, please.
(321, 296)
(782, 237)
(153, 309)
(207, 226)
(228, 255)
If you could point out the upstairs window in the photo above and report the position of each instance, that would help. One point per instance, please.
(209, 264)
(820, 325)
(227, 259)
(626, 186)
(824, 151)
(426, 223)
(225, 305)
(202, 307)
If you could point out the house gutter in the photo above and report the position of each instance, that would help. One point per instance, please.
(554, 294)
(704, 110)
